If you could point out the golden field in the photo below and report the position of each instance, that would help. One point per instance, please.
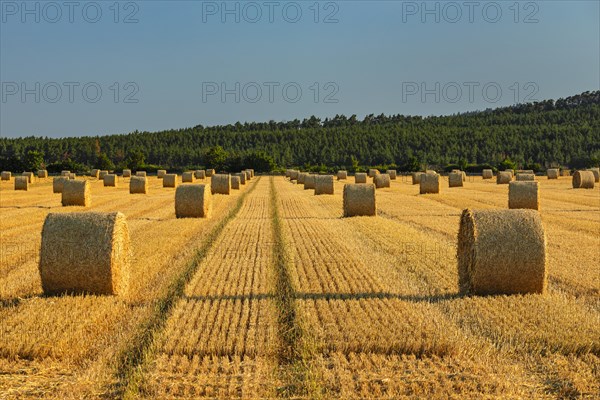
(278, 296)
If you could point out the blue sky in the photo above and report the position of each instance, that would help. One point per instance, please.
(161, 65)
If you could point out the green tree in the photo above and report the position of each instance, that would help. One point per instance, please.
(135, 159)
(260, 161)
(216, 158)
(105, 163)
(34, 160)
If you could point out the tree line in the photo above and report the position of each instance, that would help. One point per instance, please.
(565, 132)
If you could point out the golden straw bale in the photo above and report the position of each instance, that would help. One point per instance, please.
(373, 172)
(309, 181)
(29, 176)
(301, 177)
(210, 172)
(430, 183)
(324, 184)
(381, 181)
(359, 200)
(455, 179)
(138, 184)
(553, 173)
(126, 173)
(76, 193)
(111, 180)
(58, 183)
(235, 181)
(169, 180)
(503, 178)
(524, 194)
(416, 177)
(21, 183)
(341, 175)
(251, 172)
(6, 175)
(85, 253)
(95, 173)
(188, 177)
(193, 201)
(220, 183)
(140, 173)
(596, 172)
(72, 175)
(42, 173)
(200, 174)
(392, 173)
(583, 180)
(501, 252)
(525, 177)
(360, 177)
(248, 174)
(102, 174)
(65, 173)
(565, 172)
(487, 174)
(294, 174)
(161, 173)
(242, 177)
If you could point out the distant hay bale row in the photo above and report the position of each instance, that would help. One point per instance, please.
(524, 194)
(111, 180)
(341, 175)
(76, 193)
(583, 180)
(324, 184)
(373, 172)
(503, 178)
(42, 173)
(21, 183)
(392, 173)
(309, 181)
(381, 181)
(525, 177)
(85, 253)
(501, 252)
(161, 173)
(430, 183)
(455, 179)
(200, 174)
(487, 174)
(236, 181)
(169, 180)
(553, 173)
(596, 172)
(6, 175)
(360, 177)
(138, 184)
(188, 177)
(126, 173)
(58, 183)
(220, 184)
(416, 177)
(193, 201)
(140, 173)
(242, 177)
(359, 200)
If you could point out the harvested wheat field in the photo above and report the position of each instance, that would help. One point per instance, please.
(278, 295)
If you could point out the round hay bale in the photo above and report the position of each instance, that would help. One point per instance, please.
(301, 177)
(501, 252)
(360, 177)
(42, 173)
(6, 175)
(553, 173)
(392, 173)
(169, 180)
(525, 177)
(76, 193)
(430, 183)
(95, 173)
(309, 181)
(235, 182)
(188, 177)
(524, 194)
(29, 176)
(193, 201)
(464, 175)
(58, 183)
(220, 184)
(487, 174)
(430, 171)
(287, 173)
(511, 172)
(359, 200)
(341, 175)
(565, 172)
(140, 173)
(294, 175)
(324, 184)
(21, 183)
(161, 173)
(200, 174)
(455, 179)
(111, 180)
(416, 177)
(382, 181)
(126, 173)
(596, 172)
(373, 172)
(503, 178)
(242, 177)
(251, 172)
(85, 253)
(65, 173)
(102, 174)
(248, 174)
(583, 180)
(72, 175)
(138, 184)
(210, 172)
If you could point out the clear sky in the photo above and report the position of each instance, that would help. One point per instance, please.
(94, 68)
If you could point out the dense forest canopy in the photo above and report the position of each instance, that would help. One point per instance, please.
(537, 135)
